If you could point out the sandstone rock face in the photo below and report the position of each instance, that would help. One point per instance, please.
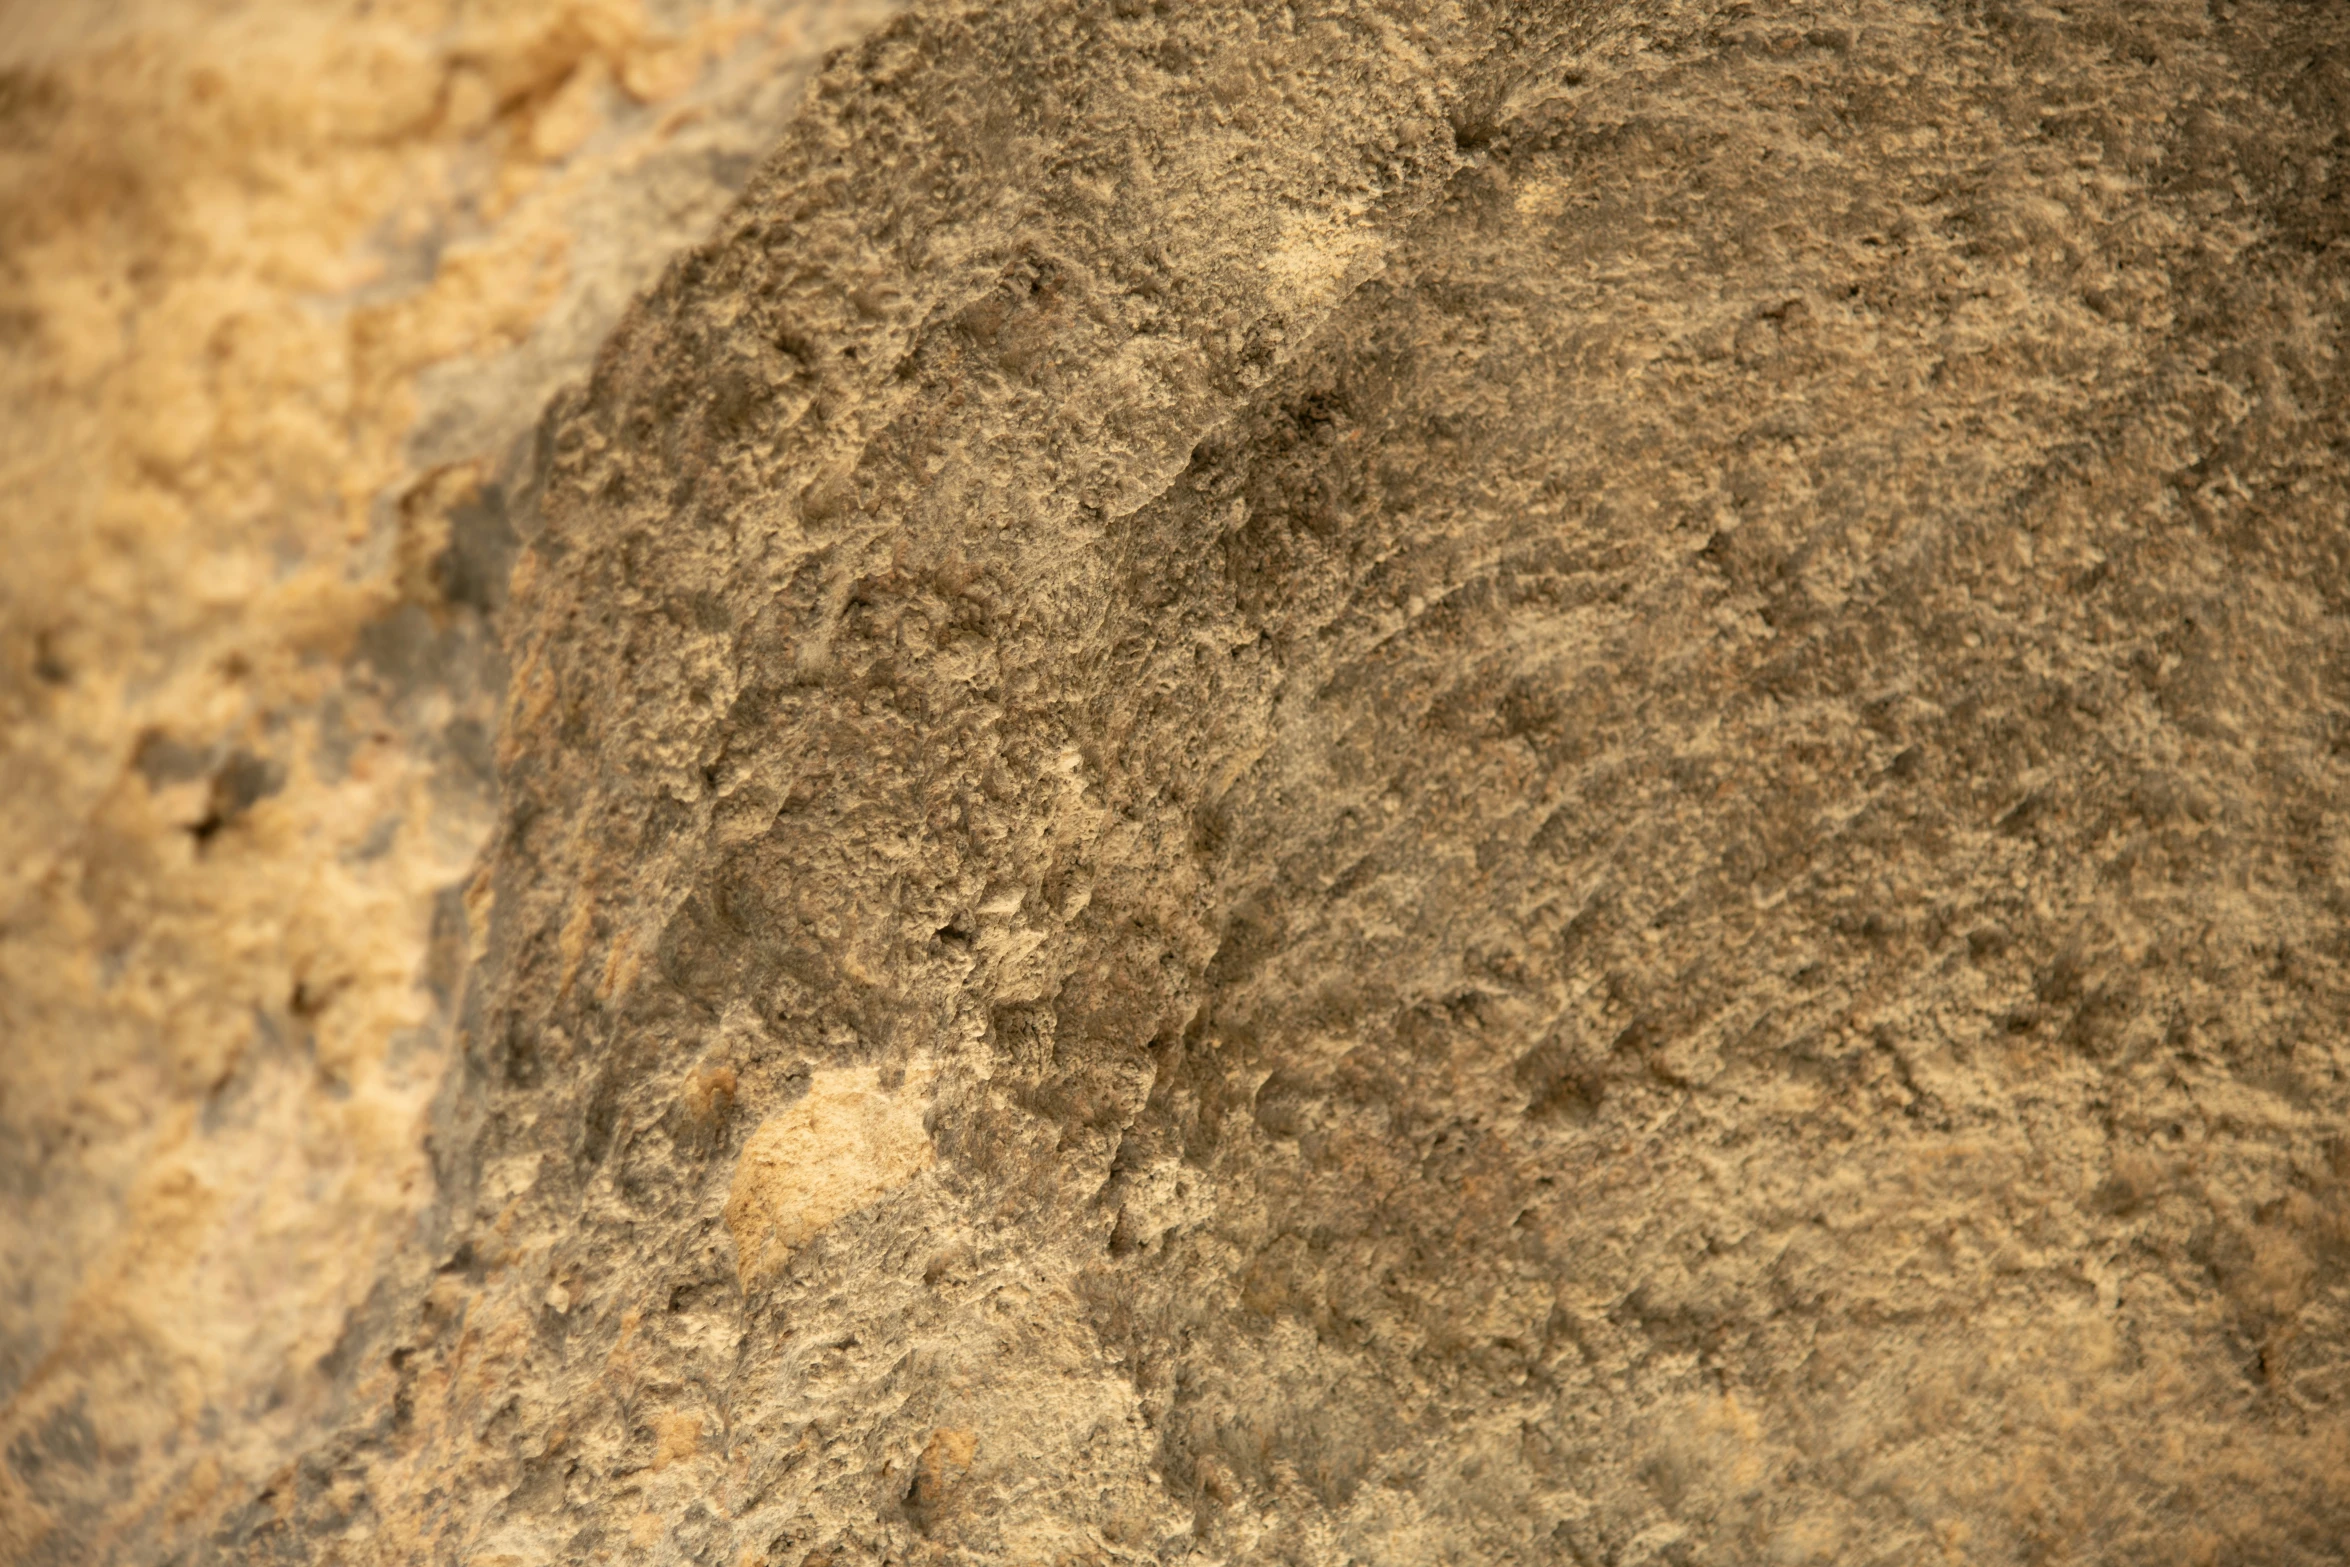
(281, 287)
(1333, 783)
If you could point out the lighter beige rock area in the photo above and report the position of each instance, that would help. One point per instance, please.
(846, 1145)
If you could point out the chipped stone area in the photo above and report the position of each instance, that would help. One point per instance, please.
(845, 1144)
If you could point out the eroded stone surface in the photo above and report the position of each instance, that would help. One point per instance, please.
(1567, 779)
(281, 286)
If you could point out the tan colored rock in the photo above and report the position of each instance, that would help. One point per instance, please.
(848, 1142)
(281, 287)
(1335, 783)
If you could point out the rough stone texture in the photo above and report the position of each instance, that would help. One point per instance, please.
(1410, 783)
(280, 285)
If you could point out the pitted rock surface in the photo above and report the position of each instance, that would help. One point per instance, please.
(1419, 783)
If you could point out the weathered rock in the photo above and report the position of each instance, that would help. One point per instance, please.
(280, 288)
(1404, 784)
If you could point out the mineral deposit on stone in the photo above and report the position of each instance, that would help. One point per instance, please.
(1352, 782)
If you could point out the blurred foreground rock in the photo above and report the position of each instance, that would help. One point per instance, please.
(1335, 783)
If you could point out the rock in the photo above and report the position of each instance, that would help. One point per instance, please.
(849, 1141)
(1410, 783)
(281, 297)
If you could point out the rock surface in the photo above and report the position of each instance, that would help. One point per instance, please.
(1334, 783)
(281, 286)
